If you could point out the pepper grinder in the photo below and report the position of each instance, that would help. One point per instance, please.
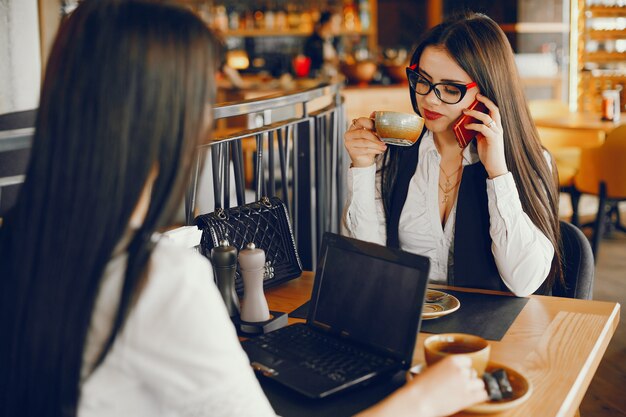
(224, 259)
(252, 267)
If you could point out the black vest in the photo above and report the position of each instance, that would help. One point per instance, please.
(474, 265)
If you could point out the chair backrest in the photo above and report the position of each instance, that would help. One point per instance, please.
(604, 163)
(563, 143)
(578, 264)
(18, 119)
(13, 159)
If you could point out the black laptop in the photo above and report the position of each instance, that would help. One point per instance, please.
(363, 320)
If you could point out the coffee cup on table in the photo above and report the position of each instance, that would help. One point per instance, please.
(439, 346)
(396, 128)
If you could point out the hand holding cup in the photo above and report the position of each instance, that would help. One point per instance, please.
(362, 143)
(368, 137)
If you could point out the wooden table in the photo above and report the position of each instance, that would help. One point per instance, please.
(580, 120)
(556, 342)
(585, 130)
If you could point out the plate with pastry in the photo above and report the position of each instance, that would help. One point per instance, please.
(438, 304)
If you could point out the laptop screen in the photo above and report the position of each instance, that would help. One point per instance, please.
(370, 294)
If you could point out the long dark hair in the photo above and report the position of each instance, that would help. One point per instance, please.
(126, 92)
(482, 50)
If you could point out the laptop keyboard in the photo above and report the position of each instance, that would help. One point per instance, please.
(325, 355)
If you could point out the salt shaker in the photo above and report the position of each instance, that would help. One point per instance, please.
(224, 260)
(252, 267)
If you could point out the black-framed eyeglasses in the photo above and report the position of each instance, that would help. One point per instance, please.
(450, 93)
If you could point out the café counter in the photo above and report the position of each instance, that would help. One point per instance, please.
(360, 101)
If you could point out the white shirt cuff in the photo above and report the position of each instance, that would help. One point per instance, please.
(363, 180)
(503, 196)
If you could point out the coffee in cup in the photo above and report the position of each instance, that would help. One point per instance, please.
(396, 128)
(476, 348)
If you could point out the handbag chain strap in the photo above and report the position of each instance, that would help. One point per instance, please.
(266, 202)
(221, 213)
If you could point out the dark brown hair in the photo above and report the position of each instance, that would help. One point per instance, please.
(482, 50)
(126, 90)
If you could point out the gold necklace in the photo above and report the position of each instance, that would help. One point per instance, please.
(448, 186)
(446, 197)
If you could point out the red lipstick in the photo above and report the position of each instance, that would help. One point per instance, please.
(431, 115)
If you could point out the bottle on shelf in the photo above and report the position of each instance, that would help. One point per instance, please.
(246, 20)
(233, 18)
(364, 14)
(259, 18)
(293, 16)
(281, 18)
(306, 20)
(221, 19)
(350, 17)
(270, 17)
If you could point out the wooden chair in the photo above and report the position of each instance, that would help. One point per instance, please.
(602, 172)
(565, 146)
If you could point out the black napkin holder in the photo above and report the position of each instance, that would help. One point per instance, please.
(276, 321)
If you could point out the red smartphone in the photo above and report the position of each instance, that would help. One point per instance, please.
(463, 135)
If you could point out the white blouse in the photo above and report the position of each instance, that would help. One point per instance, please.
(178, 353)
(522, 253)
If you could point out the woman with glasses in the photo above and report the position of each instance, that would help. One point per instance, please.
(486, 214)
(99, 316)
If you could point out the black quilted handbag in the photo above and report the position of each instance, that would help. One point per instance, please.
(264, 223)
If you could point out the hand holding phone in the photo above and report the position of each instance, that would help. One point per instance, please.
(463, 135)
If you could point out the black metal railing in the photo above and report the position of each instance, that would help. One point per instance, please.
(298, 159)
